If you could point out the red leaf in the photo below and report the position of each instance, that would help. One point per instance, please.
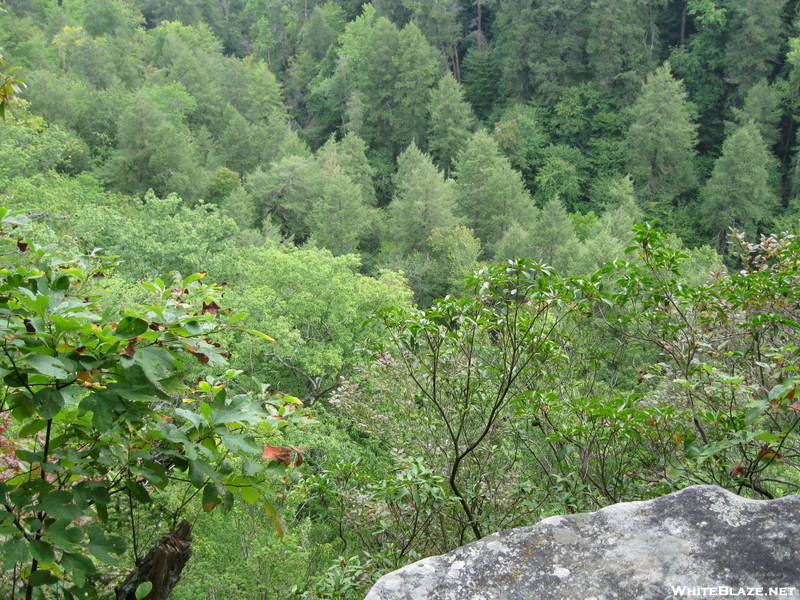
(23, 246)
(288, 456)
(212, 308)
(277, 454)
(795, 406)
(201, 357)
(130, 349)
(738, 471)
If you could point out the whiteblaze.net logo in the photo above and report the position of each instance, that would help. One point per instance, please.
(733, 591)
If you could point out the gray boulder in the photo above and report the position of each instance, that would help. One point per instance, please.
(700, 542)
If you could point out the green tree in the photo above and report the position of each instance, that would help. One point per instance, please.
(314, 304)
(521, 135)
(661, 139)
(561, 174)
(402, 69)
(754, 42)
(451, 122)
(424, 200)
(462, 363)
(339, 218)
(738, 193)
(350, 154)
(622, 44)
(154, 153)
(762, 105)
(542, 45)
(490, 194)
(481, 79)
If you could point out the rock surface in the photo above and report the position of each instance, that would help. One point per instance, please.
(702, 541)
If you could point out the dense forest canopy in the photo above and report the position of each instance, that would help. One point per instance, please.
(396, 296)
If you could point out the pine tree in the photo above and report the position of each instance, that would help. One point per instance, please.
(481, 79)
(738, 193)
(754, 42)
(762, 105)
(451, 121)
(424, 201)
(622, 44)
(491, 195)
(660, 141)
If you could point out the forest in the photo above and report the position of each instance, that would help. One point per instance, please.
(348, 284)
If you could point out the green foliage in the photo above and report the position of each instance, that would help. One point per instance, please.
(450, 122)
(423, 201)
(490, 193)
(738, 193)
(154, 153)
(88, 413)
(314, 304)
(28, 145)
(660, 141)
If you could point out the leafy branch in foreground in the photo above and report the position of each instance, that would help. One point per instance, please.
(92, 409)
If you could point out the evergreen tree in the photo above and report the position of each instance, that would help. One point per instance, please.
(561, 174)
(738, 193)
(350, 155)
(417, 67)
(661, 138)
(755, 31)
(491, 195)
(438, 20)
(481, 79)
(338, 217)
(542, 46)
(762, 105)
(552, 237)
(451, 121)
(622, 44)
(423, 201)
(239, 150)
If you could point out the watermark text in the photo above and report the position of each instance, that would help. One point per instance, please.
(723, 590)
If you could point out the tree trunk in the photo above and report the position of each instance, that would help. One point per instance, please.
(162, 566)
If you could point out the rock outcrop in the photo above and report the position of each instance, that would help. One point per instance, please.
(699, 542)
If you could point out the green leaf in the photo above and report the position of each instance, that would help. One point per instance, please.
(257, 334)
(192, 278)
(47, 365)
(139, 491)
(250, 494)
(143, 589)
(237, 317)
(753, 414)
(196, 474)
(768, 437)
(32, 427)
(102, 547)
(153, 361)
(131, 327)
(42, 577)
(60, 284)
(59, 504)
(275, 519)
(91, 491)
(13, 551)
(47, 402)
(211, 494)
(193, 327)
(62, 535)
(783, 387)
(77, 563)
(42, 551)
